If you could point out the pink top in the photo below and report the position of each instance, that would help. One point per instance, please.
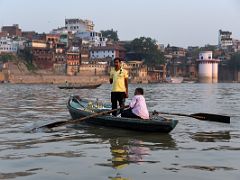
(139, 106)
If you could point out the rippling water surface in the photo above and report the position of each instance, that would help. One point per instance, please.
(193, 150)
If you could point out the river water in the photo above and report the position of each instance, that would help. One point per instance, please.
(193, 150)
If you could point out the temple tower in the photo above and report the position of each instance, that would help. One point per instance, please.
(207, 68)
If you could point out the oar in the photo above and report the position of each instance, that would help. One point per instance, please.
(202, 116)
(61, 123)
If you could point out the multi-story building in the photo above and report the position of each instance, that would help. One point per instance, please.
(79, 25)
(59, 65)
(13, 30)
(157, 74)
(3, 34)
(224, 39)
(53, 39)
(28, 34)
(73, 63)
(138, 72)
(236, 45)
(61, 30)
(36, 44)
(60, 54)
(84, 53)
(64, 38)
(43, 57)
(7, 45)
(43, 53)
(111, 52)
(175, 51)
(93, 38)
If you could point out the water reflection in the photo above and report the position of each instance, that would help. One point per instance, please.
(127, 147)
(119, 177)
(13, 175)
(125, 152)
(212, 136)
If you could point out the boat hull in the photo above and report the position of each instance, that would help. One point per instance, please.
(80, 87)
(174, 80)
(156, 124)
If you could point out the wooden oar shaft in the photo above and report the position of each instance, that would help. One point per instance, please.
(177, 114)
(61, 123)
(93, 115)
(180, 114)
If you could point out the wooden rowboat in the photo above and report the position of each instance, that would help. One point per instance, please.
(79, 108)
(88, 86)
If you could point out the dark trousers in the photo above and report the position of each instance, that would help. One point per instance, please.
(117, 97)
(128, 113)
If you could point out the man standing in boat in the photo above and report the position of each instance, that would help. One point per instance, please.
(119, 81)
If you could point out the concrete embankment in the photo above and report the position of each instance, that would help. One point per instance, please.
(1, 77)
(57, 79)
(16, 72)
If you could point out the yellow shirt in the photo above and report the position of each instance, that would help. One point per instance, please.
(118, 77)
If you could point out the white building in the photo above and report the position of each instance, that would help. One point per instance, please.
(103, 52)
(161, 47)
(207, 68)
(94, 38)
(78, 25)
(62, 30)
(7, 45)
(224, 39)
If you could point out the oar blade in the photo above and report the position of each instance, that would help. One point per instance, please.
(55, 124)
(212, 117)
(49, 126)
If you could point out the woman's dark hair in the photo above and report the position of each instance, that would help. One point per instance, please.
(140, 91)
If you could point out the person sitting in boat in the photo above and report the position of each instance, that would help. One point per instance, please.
(137, 106)
(66, 83)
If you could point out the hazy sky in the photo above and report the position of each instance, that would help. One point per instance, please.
(177, 22)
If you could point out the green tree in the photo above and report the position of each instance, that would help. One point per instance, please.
(234, 62)
(7, 57)
(110, 34)
(27, 56)
(146, 49)
(208, 47)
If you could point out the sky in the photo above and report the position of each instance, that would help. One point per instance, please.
(176, 22)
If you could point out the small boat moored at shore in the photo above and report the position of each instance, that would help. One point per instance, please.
(80, 108)
(87, 86)
(174, 80)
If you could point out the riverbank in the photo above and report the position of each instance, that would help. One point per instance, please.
(56, 79)
(17, 73)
